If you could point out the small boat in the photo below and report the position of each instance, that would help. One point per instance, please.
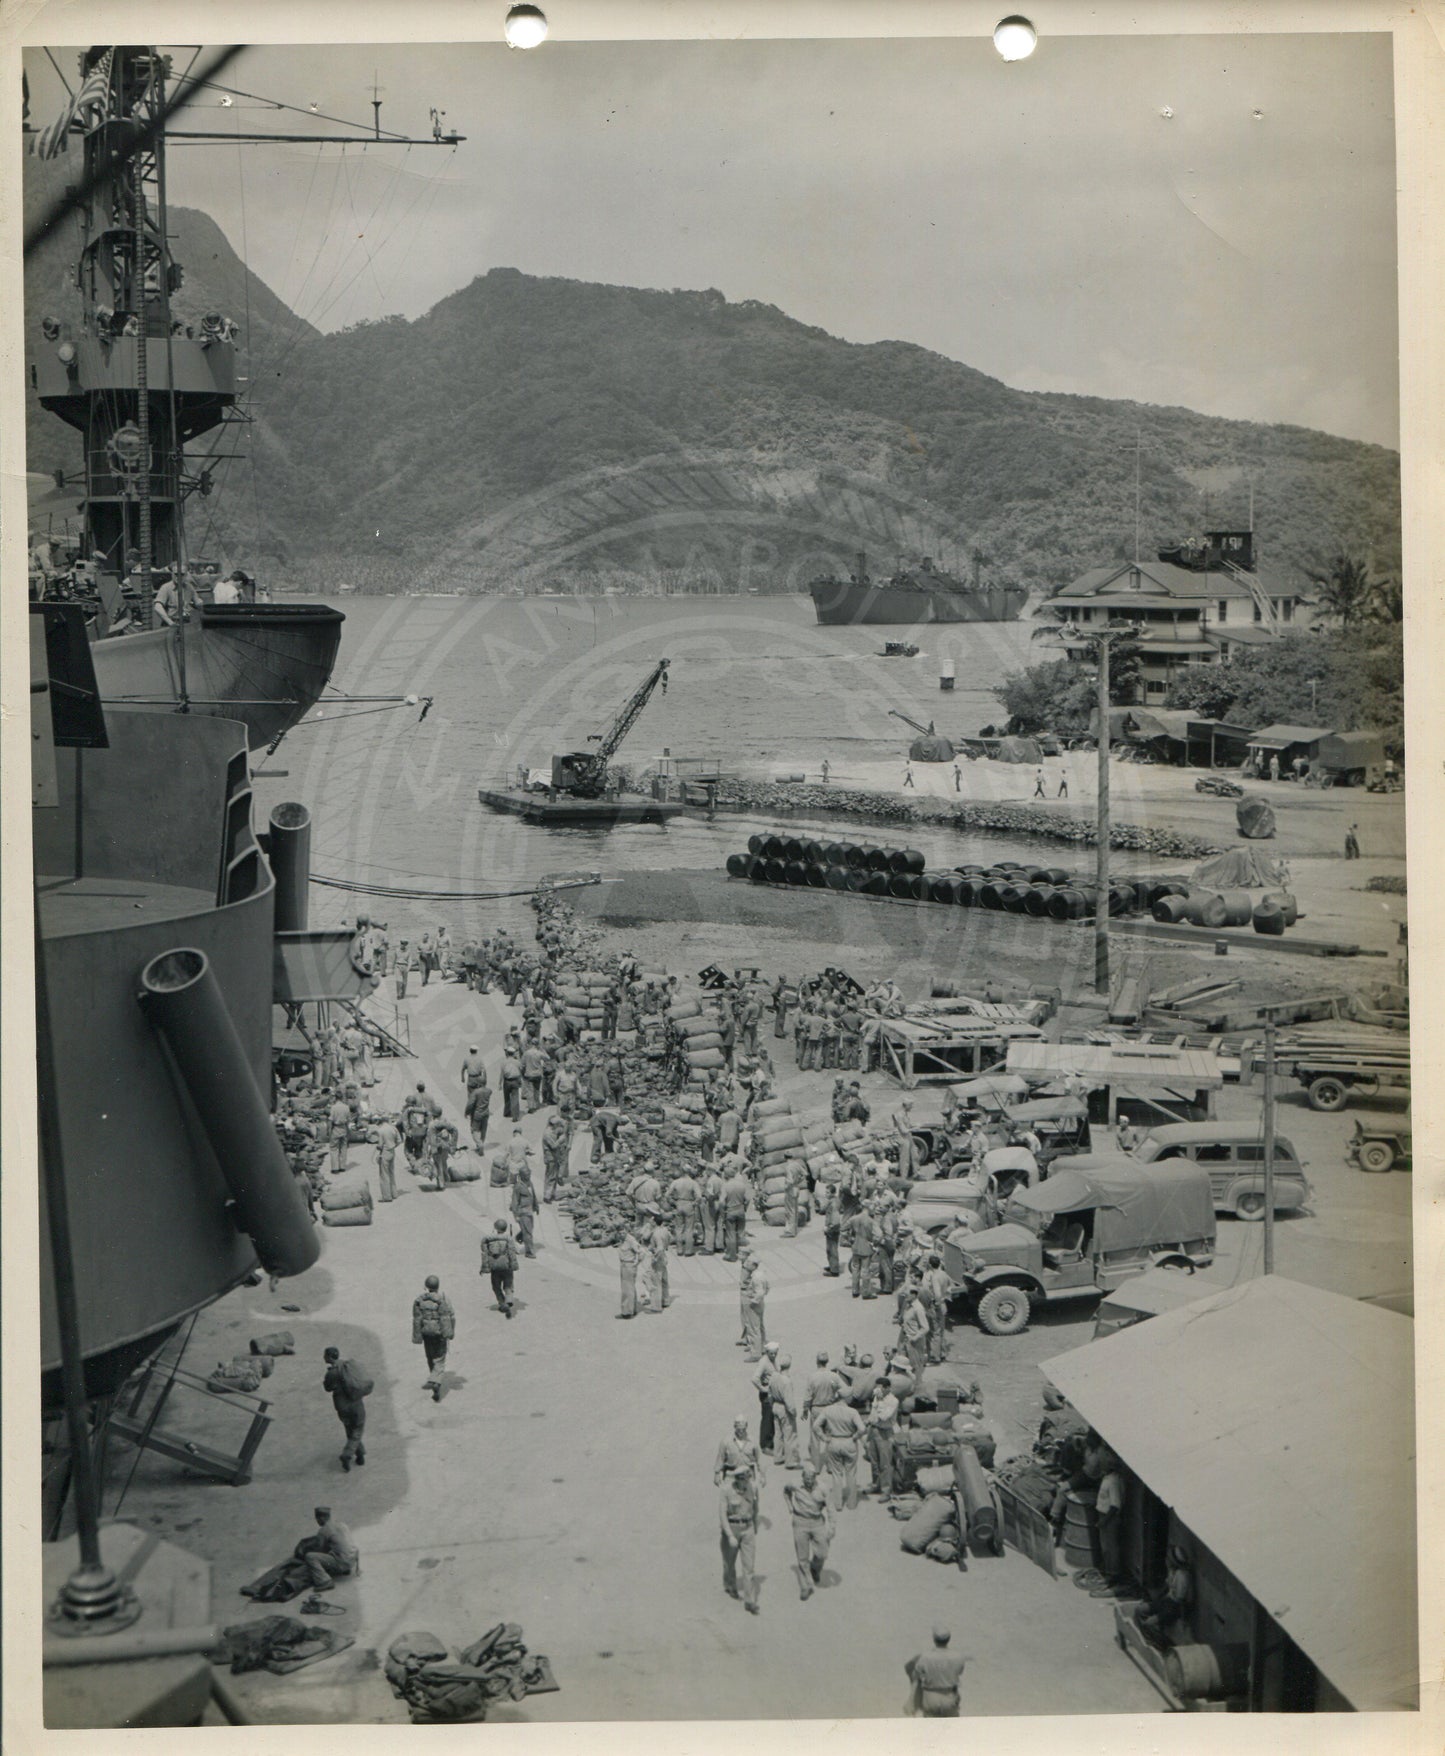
(898, 649)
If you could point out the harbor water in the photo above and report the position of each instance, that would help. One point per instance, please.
(755, 684)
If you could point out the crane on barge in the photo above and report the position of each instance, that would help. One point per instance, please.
(583, 773)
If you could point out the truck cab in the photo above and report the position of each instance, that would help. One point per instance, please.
(1081, 1233)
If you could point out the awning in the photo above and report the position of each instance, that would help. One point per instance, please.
(1278, 1423)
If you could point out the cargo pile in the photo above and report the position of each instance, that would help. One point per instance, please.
(863, 869)
(866, 870)
(439, 1689)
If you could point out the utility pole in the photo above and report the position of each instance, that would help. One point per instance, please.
(1138, 446)
(1269, 1146)
(1101, 851)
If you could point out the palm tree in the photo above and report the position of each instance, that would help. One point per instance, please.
(1345, 591)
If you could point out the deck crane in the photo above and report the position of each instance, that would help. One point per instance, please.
(928, 746)
(583, 773)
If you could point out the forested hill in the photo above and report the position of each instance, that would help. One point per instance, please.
(559, 425)
(566, 433)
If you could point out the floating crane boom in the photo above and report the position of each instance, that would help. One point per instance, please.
(928, 746)
(927, 730)
(584, 772)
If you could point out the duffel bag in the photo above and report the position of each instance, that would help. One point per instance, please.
(704, 1060)
(927, 1523)
(773, 1106)
(340, 1197)
(772, 1135)
(276, 1343)
(349, 1216)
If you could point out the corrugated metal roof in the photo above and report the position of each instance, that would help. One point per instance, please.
(1278, 1422)
(1107, 1062)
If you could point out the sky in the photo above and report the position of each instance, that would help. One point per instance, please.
(1045, 221)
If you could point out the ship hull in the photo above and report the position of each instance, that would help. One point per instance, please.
(840, 603)
(262, 664)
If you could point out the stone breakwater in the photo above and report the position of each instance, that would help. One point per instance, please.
(835, 801)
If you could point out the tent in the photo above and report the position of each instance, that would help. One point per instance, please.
(1239, 869)
(1019, 750)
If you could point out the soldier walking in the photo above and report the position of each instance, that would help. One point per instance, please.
(813, 1527)
(524, 1205)
(349, 1386)
(737, 1452)
(738, 1531)
(499, 1260)
(659, 1297)
(935, 1676)
(433, 1325)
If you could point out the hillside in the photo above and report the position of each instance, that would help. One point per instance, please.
(563, 433)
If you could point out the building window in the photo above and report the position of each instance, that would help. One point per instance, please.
(1258, 614)
(1156, 688)
(1224, 609)
(1286, 609)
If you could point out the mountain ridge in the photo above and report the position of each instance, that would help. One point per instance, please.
(462, 447)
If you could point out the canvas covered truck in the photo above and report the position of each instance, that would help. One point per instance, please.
(1079, 1234)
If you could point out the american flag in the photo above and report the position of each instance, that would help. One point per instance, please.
(55, 139)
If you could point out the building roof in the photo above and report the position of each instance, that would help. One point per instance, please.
(1289, 735)
(1278, 1423)
(1117, 579)
(1246, 634)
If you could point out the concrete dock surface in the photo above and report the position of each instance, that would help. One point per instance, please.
(564, 1479)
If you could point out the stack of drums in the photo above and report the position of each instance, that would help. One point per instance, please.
(1080, 1529)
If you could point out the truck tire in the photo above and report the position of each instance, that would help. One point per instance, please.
(1004, 1310)
(1249, 1204)
(1328, 1093)
(1376, 1155)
